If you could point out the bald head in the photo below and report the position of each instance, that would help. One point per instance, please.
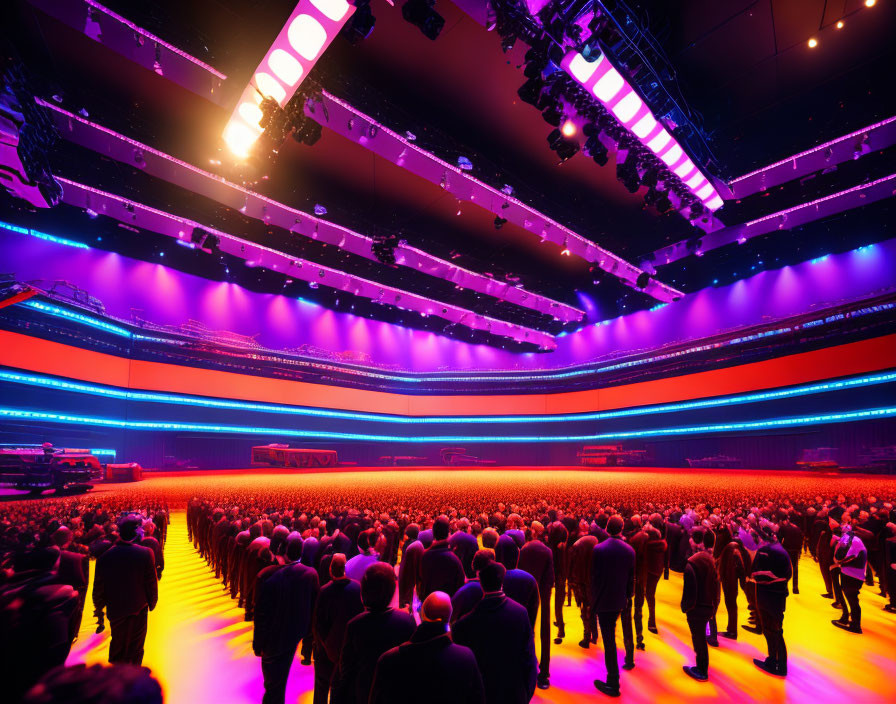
(436, 607)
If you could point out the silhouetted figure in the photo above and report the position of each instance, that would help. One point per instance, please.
(699, 600)
(537, 559)
(97, 684)
(429, 667)
(771, 571)
(466, 598)
(440, 569)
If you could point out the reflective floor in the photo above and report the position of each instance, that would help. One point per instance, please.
(200, 647)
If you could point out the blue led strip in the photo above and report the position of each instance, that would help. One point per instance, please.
(42, 235)
(846, 416)
(95, 451)
(180, 399)
(58, 312)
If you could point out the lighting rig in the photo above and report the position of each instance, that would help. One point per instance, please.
(569, 44)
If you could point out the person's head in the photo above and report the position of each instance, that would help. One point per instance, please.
(697, 537)
(97, 684)
(507, 552)
(440, 528)
(62, 537)
(128, 529)
(537, 530)
(491, 577)
(436, 608)
(337, 566)
(481, 558)
(294, 547)
(412, 531)
(366, 539)
(148, 528)
(614, 525)
(378, 586)
(489, 538)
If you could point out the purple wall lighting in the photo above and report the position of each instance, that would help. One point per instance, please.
(255, 255)
(307, 33)
(606, 84)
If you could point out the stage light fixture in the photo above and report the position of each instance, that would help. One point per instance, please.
(870, 3)
(813, 42)
(361, 24)
(531, 92)
(499, 222)
(839, 24)
(421, 14)
(569, 128)
(565, 148)
(553, 115)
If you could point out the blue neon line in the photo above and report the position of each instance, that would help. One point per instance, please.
(846, 416)
(77, 317)
(42, 235)
(180, 399)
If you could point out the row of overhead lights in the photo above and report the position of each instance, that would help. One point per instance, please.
(813, 41)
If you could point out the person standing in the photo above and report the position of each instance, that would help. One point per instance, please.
(430, 665)
(732, 572)
(500, 635)
(126, 587)
(464, 544)
(558, 537)
(852, 568)
(771, 570)
(284, 603)
(440, 568)
(519, 585)
(699, 600)
(368, 635)
(792, 542)
(338, 602)
(537, 559)
(612, 586)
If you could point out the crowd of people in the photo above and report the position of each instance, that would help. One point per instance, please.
(382, 595)
(47, 547)
(452, 595)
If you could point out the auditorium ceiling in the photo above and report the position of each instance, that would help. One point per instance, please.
(743, 70)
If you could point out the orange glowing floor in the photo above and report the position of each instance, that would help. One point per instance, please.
(200, 647)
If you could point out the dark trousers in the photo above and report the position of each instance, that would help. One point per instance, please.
(772, 620)
(307, 642)
(825, 567)
(607, 621)
(275, 670)
(323, 676)
(128, 637)
(835, 582)
(750, 593)
(730, 594)
(627, 640)
(650, 597)
(544, 665)
(891, 584)
(559, 598)
(698, 618)
(795, 562)
(640, 595)
(852, 612)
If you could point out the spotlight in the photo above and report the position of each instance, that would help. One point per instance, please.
(839, 24)
(420, 14)
(628, 174)
(870, 3)
(569, 128)
(383, 248)
(361, 24)
(813, 42)
(565, 148)
(596, 149)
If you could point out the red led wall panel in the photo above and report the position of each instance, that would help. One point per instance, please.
(43, 356)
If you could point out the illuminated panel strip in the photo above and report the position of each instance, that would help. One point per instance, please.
(508, 375)
(609, 87)
(42, 235)
(128, 211)
(404, 153)
(362, 129)
(254, 205)
(880, 135)
(175, 426)
(306, 35)
(227, 404)
(823, 207)
(95, 451)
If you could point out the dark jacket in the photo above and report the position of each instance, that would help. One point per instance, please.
(338, 602)
(676, 556)
(284, 604)
(791, 538)
(125, 581)
(367, 636)
(655, 557)
(156, 547)
(440, 571)
(700, 591)
(612, 575)
(409, 572)
(499, 633)
(428, 668)
(465, 599)
(537, 559)
(773, 558)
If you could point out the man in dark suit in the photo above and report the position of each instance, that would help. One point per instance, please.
(440, 569)
(127, 588)
(463, 543)
(368, 635)
(519, 585)
(558, 537)
(73, 570)
(612, 586)
(338, 603)
(537, 559)
(429, 665)
(500, 635)
(771, 570)
(284, 602)
(792, 541)
(466, 598)
(699, 601)
(150, 541)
